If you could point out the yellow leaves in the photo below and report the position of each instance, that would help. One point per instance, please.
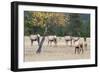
(58, 19)
(42, 18)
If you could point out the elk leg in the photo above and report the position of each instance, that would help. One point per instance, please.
(48, 43)
(55, 42)
(31, 42)
(79, 50)
(81, 47)
(85, 46)
(76, 49)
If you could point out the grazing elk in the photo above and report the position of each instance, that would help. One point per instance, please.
(68, 39)
(52, 39)
(35, 38)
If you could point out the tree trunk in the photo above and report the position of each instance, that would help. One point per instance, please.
(41, 42)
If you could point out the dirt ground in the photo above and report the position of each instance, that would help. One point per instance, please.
(61, 51)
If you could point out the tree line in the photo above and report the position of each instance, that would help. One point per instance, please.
(56, 23)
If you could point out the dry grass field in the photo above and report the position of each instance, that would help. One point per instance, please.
(61, 51)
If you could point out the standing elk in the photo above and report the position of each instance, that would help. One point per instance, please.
(68, 39)
(35, 38)
(52, 39)
(78, 46)
(75, 39)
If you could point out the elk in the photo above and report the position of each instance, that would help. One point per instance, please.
(35, 38)
(52, 39)
(75, 39)
(78, 46)
(68, 39)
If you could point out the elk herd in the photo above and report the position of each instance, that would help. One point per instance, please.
(79, 43)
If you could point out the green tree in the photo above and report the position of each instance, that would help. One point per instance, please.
(75, 25)
(27, 22)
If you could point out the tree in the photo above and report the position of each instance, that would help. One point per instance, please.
(28, 22)
(86, 29)
(75, 25)
(50, 20)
